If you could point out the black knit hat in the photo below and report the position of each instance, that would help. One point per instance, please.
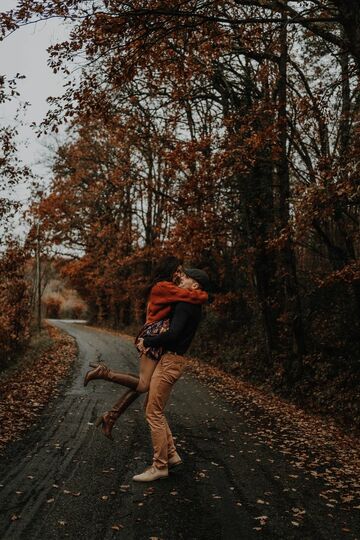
(199, 275)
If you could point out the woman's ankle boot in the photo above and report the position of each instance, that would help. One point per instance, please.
(108, 419)
(101, 371)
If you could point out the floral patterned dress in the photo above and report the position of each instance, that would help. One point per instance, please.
(153, 329)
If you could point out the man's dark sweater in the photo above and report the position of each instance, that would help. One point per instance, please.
(183, 325)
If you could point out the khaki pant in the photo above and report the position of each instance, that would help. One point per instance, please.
(168, 370)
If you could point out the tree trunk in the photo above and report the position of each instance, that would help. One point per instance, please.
(258, 215)
(38, 278)
(291, 310)
(349, 11)
(345, 107)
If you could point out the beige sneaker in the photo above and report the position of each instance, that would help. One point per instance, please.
(174, 461)
(151, 473)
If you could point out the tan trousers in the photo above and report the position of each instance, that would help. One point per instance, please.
(168, 370)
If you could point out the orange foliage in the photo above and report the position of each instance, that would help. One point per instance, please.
(14, 303)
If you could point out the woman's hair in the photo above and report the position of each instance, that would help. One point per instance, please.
(163, 271)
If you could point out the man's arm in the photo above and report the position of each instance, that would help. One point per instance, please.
(177, 325)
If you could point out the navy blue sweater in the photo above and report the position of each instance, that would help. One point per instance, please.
(184, 322)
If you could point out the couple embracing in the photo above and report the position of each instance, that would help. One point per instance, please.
(173, 313)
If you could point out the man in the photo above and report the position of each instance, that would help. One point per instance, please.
(176, 341)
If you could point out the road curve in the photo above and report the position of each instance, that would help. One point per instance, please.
(65, 480)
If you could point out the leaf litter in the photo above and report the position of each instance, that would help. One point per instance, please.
(22, 398)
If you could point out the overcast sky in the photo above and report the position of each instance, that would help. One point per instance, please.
(24, 52)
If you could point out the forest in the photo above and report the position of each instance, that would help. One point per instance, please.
(226, 133)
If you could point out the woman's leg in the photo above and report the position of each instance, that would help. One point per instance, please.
(108, 419)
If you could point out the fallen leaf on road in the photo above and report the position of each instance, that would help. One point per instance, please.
(347, 498)
(117, 527)
(298, 512)
(262, 519)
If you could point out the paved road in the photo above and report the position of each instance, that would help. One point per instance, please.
(65, 480)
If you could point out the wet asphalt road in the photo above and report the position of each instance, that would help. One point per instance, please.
(65, 480)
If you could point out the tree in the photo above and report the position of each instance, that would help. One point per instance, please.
(196, 118)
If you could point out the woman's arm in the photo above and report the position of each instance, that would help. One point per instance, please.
(168, 292)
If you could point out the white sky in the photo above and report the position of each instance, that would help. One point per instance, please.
(24, 52)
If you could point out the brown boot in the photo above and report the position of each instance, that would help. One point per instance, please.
(101, 371)
(108, 419)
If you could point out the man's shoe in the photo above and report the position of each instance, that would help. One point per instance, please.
(174, 461)
(151, 473)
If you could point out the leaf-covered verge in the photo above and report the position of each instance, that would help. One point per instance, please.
(25, 389)
(330, 381)
(314, 445)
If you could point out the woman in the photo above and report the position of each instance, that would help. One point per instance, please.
(162, 293)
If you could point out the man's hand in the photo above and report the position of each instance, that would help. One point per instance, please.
(141, 347)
